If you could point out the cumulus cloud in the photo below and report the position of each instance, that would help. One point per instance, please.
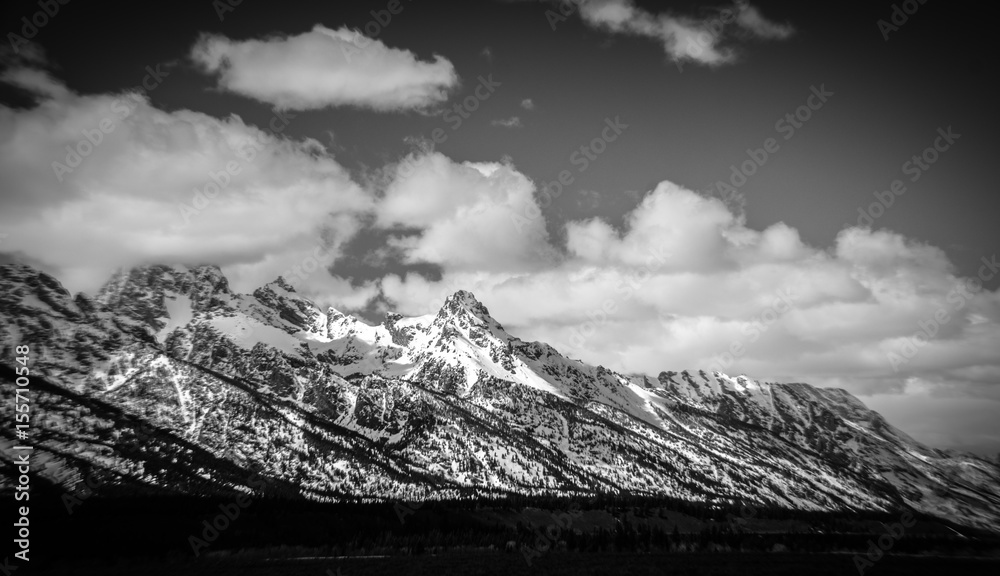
(528, 104)
(679, 231)
(682, 282)
(100, 181)
(696, 40)
(686, 284)
(460, 211)
(323, 68)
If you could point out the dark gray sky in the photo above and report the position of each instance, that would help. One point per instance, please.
(401, 242)
(689, 124)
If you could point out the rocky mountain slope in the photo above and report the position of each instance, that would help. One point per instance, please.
(169, 382)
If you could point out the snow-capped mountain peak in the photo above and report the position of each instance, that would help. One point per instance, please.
(338, 407)
(464, 311)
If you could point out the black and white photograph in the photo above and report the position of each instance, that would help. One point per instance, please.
(499, 287)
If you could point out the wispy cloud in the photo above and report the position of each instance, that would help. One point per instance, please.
(512, 122)
(750, 18)
(25, 70)
(700, 40)
(38, 82)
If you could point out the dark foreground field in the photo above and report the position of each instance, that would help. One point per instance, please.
(558, 564)
(601, 535)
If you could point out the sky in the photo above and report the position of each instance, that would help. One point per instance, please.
(799, 193)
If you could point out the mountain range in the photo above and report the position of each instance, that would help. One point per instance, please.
(168, 382)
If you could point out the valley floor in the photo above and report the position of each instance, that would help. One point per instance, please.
(560, 563)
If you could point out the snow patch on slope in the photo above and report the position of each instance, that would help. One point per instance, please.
(179, 314)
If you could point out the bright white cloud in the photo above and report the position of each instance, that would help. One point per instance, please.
(325, 67)
(462, 211)
(97, 182)
(685, 284)
(676, 231)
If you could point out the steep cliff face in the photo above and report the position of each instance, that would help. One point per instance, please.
(168, 381)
